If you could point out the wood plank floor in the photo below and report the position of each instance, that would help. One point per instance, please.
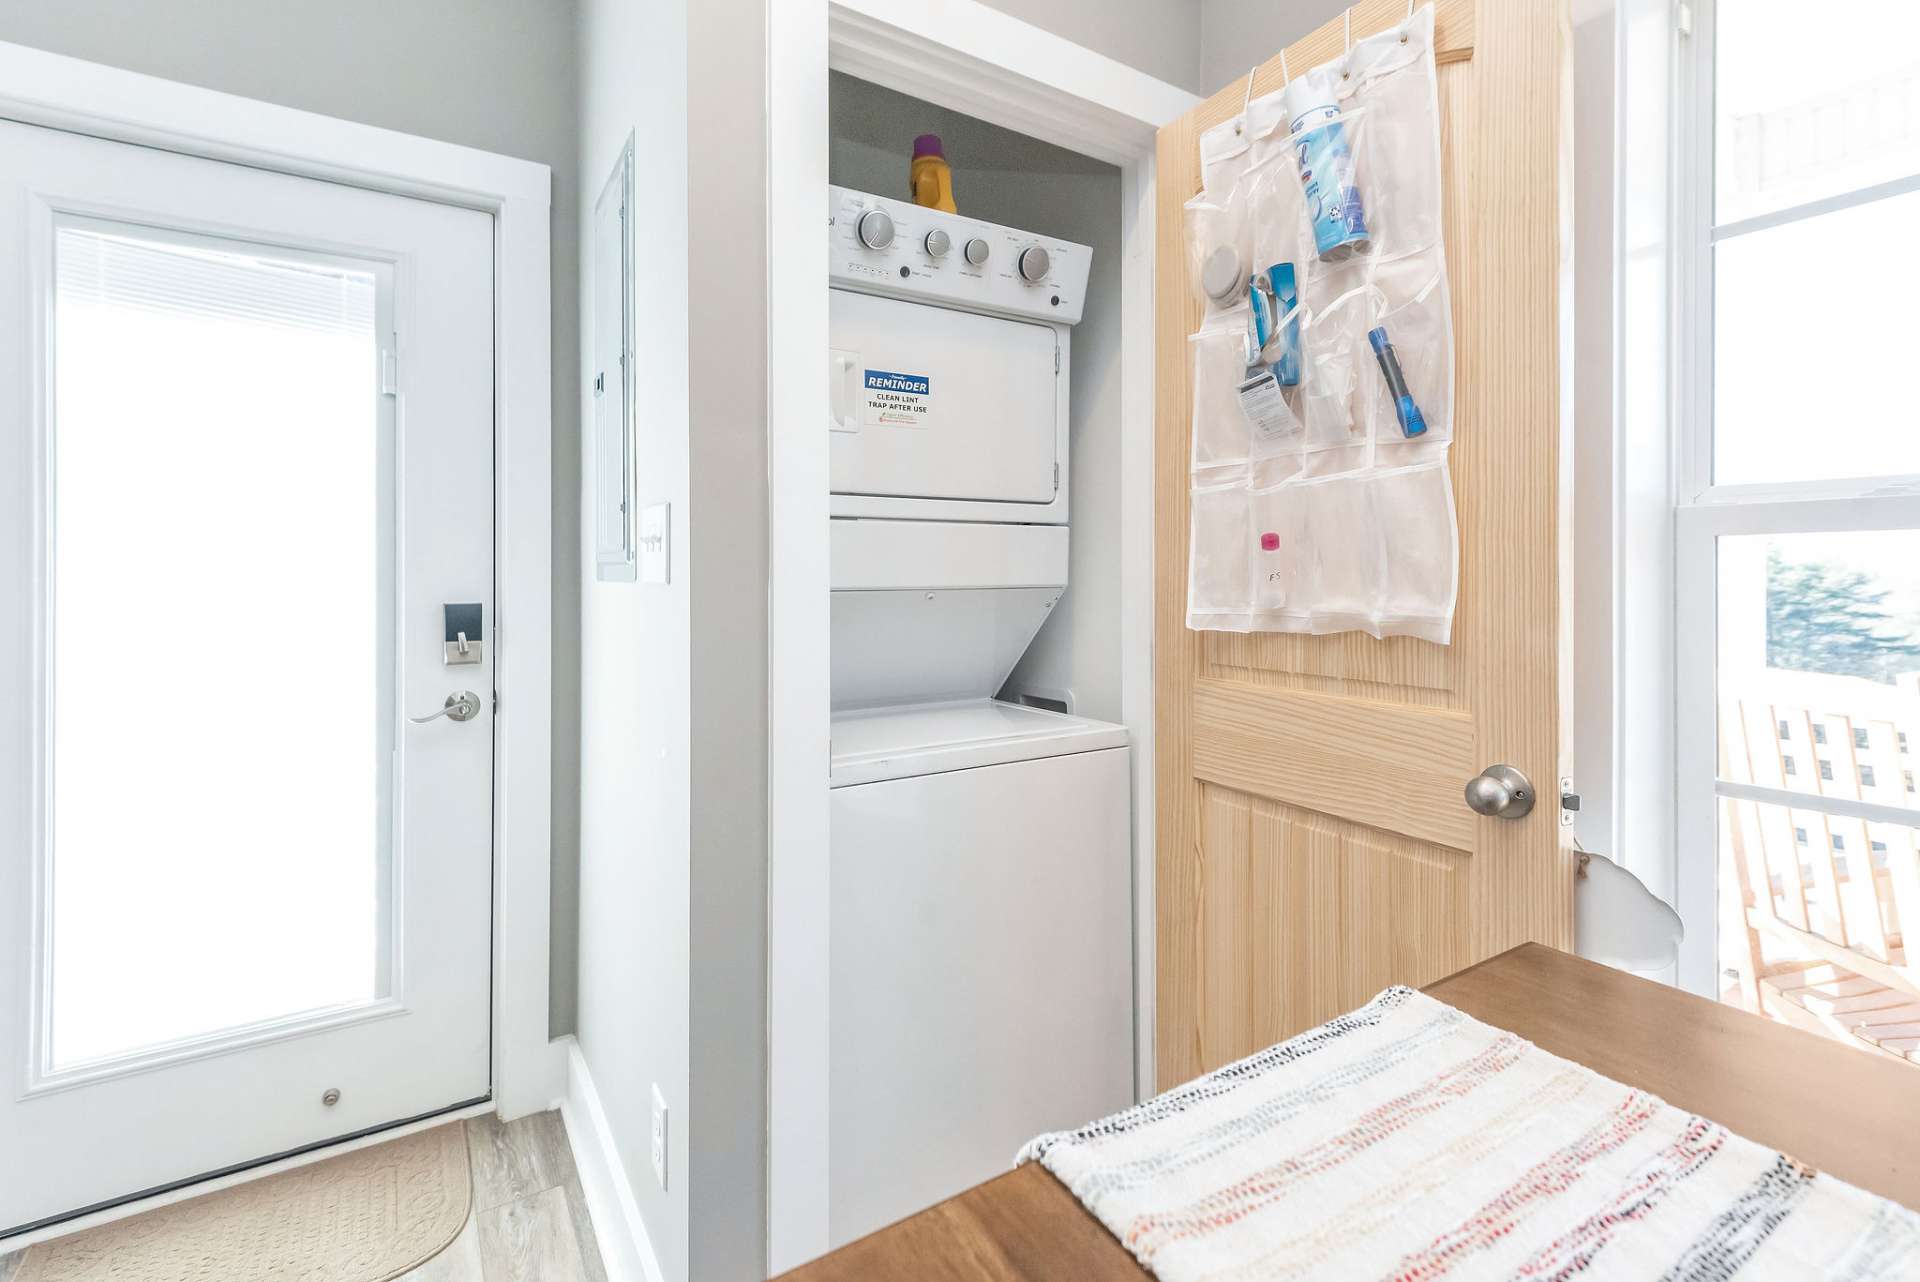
(529, 1219)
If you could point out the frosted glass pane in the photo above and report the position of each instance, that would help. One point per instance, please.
(1810, 359)
(221, 658)
(1809, 109)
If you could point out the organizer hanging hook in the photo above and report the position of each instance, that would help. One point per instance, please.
(1346, 18)
(1246, 99)
(1403, 26)
(1286, 77)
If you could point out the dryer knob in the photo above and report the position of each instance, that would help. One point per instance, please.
(977, 251)
(1034, 265)
(938, 243)
(876, 229)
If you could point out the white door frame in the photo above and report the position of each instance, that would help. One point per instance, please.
(966, 56)
(41, 88)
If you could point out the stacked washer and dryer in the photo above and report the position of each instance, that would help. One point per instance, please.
(981, 899)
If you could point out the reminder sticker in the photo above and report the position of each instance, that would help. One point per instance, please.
(896, 400)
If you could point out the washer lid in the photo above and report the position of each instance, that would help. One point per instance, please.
(932, 738)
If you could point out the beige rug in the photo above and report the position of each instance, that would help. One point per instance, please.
(366, 1216)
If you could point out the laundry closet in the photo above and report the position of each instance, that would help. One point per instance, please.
(983, 795)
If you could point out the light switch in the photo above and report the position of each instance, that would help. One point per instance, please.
(654, 522)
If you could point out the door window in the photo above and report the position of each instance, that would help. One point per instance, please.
(222, 642)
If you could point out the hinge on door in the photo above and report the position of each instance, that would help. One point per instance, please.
(390, 369)
(1056, 476)
(1056, 358)
(1683, 18)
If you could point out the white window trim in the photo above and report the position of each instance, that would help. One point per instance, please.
(40, 88)
(1704, 511)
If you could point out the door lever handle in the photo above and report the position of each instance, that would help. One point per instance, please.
(463, 706)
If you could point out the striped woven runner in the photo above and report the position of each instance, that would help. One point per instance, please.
(1407, 1140)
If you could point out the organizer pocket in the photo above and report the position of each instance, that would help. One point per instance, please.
(1219, 250)
(1219, 563)
(1276, 216)
(1332, 344)
(1397, 156)
(1346, 549)
(1420, 560)
(1419, 335)
(1220, 431)
(1284, 556)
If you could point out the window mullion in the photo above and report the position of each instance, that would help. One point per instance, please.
(1871, 811)
(1814, 208)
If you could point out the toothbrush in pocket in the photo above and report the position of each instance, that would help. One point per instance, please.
(1412, 422)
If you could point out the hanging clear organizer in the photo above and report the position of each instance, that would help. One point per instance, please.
(1323, 367)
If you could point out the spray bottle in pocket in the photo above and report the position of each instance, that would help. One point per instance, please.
(1320, 144)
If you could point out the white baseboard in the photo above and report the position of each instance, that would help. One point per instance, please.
(617, 1225)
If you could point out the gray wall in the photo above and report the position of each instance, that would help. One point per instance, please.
(635, 876)
(1199, 45)
(728, 221)
(493, 74)
(1159, 37)
(1009, 178)
(1236, 34)
(673, 923)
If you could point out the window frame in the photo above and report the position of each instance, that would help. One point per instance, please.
(1705, 512)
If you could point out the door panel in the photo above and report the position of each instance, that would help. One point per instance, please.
(1314, 844)
(1373, 761)
(230, 865)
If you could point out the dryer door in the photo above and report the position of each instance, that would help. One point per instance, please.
(935, 403)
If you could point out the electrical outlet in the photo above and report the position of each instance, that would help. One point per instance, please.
(659, 1137)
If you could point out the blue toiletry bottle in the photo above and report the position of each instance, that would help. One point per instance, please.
(1286, 302)
(1412, 422)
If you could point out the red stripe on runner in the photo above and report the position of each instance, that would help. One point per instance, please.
(1551, 1177)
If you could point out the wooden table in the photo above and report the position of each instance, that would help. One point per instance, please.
(1846, 1111)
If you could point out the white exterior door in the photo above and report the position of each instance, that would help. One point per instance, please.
(245, 462)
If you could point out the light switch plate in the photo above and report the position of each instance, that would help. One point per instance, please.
(654, 524)
(659, 1137)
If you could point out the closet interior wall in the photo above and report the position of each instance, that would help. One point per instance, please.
(1008, 178)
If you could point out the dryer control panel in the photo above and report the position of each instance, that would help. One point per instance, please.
(897, 248)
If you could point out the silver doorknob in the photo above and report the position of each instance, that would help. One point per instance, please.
(1500, 792)
(463, 706)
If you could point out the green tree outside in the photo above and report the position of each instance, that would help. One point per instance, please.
(1824, 618)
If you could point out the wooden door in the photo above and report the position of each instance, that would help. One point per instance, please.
(1314, 844)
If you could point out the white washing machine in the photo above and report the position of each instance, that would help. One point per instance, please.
(981, 898)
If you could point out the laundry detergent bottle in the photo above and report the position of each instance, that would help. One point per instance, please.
(931, 180)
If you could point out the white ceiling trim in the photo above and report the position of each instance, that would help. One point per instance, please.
(972, 58)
